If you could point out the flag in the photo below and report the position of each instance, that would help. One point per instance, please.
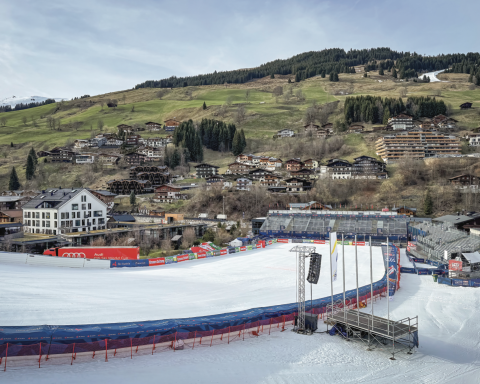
(334, 254)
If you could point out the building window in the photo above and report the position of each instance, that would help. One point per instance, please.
(77, 223)
(47, 224)
(84, 207)
(89, 205)
(55, 224)
(62, 215)
(47, 215)
(74, 207)
(84, 198)
(55, 215)
(43, 223)
(97, 213)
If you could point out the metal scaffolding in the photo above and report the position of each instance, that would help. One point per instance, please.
(302, 253)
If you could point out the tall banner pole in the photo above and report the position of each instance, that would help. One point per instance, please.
(343, 265)
(371, 274)
(388, 289)
(356, 272)
(331, 270)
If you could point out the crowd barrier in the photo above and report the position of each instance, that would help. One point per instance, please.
(441, 271)
(48, 341)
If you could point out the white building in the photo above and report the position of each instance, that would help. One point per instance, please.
(79, 144)
(401, 122)
(84, 158)
(474, 139)
(285, 133)
(57, 211)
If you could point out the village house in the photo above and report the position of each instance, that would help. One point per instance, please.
(339, 169)
(171, 124)
(311, 128)
(238, 169)
(305, 174)
(105, 196)
(205, 170)
(11, 216)
(151, 126)
(474, 139)
(285, 133)
(155, 142)
(124, 128)
(245, 159)
(60, 155)
(132, 140)
(310, 164)
(154, 174)
(259, 174)
(113, 142)
(356, 128)
(297, 185)
(293, 165)
(79, 144)
(169, 194)
(97, 142)
(274, 163)
(466, 105)
(365, 165)
(108, 159)
(214, 179)
(127, 186)
(464, 181)
(411, 212)
(135, 158)
(401, 122)
(84, 158)
(243, 184)
(328, 127)
(152, 154)
(13, 202)
(270, 181)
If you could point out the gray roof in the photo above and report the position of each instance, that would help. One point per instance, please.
(53, 198)
(105, 193)
(10, 199)
(124, 218)
(472, 257)
(454, 219)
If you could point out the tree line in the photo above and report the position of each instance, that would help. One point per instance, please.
(378, 110)
(20, 106)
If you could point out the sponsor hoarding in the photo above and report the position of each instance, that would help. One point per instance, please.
(157, 261)
(455, 265)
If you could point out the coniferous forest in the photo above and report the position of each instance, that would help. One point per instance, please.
(378, 110)
(18, 107)
(310, 64)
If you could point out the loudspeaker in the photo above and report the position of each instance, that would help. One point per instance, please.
(311, 322)
(314, 268)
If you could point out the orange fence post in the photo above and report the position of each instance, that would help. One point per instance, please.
(106, 352)
(153, 348)
(39, 353)
(243, 331)
(175, 342)
(283, 322)
(269, 329)
(131, 349)
(6, 357)
(194, 338)
(73, 351)
(211, 341)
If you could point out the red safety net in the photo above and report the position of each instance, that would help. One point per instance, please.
(46, 353)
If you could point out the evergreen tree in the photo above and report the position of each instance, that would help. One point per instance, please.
(394, 73)
(386, 116)
(133, 199)
(335, 76)
(243, 141)
(237, 144)
(330, 76)
(30, 171)
(297, 77)
(204, 105)
(272, 76)
(380, 72)
(11, 144)
(34, 156)
(365, 74)
(322, 74)
(289, 81)
(470, 78)
(175, 159)
(14, 183)
(428, 204)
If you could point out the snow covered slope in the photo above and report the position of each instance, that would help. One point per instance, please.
(12, 101)
(32, 295)
(448, 353)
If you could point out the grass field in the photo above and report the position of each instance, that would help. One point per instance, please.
(265, 115)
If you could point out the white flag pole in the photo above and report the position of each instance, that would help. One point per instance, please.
(388, 287)
(356, 270)
(343, 265)
(331, 270)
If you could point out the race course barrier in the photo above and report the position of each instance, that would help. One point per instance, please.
(43, 343)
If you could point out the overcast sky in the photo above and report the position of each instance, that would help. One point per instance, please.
(70, 48)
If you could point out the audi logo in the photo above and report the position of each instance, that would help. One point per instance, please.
(74, 255)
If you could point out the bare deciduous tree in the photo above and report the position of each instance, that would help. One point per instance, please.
(240, 114)
(188, 238)
(247, 94)
(277, 91)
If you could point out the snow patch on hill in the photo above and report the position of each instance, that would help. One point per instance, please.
(12, 101)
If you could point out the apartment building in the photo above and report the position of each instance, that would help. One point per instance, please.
(417, 144)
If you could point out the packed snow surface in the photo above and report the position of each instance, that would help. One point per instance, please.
(448, 353)
(33, 295)
(433, 76)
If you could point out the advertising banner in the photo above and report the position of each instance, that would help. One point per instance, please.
(122, 263)
(201, 255)
(319, 241)
(192, 256)
(223, 252)
(181, 258)
(275, 240)
(455, 265)
(259, 245)
(460, 283)
(242, 249)
(334, 254)
(359, 243)
(141, 263)
(392, 270)
(237, 249)
(157, 261)
(270, 242)
(249, 247)
(170, 260)
(209, 254)
(412, 245)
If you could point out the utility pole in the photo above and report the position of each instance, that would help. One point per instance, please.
(223, 205)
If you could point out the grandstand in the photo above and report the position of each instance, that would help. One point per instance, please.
(319, 224)
(439, 242)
